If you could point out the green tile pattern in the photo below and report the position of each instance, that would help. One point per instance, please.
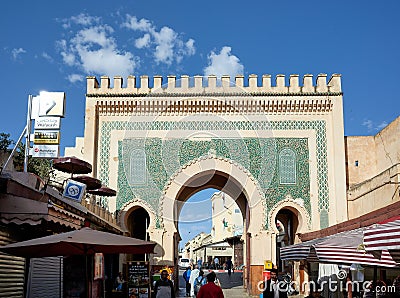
(258, 155)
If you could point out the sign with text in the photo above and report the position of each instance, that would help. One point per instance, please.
(45, 151)
(46, 137)
(139, 279)
(47, 123)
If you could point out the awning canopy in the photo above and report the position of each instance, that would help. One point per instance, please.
(85, 241)
(341, 248)
(300, 251)
(384, 237)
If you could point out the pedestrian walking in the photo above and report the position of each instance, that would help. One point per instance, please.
(164, 288)
(199, 263)
(216, 262)
(193, 275)
(199, 282)
(186, 277)
(210, 289)
(273, 288)
(229, 266)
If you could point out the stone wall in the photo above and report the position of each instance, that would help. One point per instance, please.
(373, 170)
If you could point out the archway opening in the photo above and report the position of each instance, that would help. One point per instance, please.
(137, 223)
(227, 177)
(210, 228)
(287, 224)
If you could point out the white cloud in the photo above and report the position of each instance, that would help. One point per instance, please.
(73, 78)
(191, 50)
(143, 42)
(195, 215)
(195, 211)
(106, 61)
(382, 125)
(369, 124)
(94, 51)
(223, 63)
(165, 40)
(91, 46)
(68, 56)
(133, 23)
(47, 57)
(17, 52)
(168, 46)
(84, 19)
(372, 127)
(98, 35)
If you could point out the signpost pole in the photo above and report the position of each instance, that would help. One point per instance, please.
(28, 133)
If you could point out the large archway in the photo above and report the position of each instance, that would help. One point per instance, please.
(211, 226)
(230, 178)
(213, 172)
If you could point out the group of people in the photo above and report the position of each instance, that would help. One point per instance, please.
(227, 265)
(198, 285)
(275, 289)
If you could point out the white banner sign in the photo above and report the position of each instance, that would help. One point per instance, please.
(48, 104)
(47, 123)
(45, 151)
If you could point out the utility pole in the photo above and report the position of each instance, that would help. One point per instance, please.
(28, 133)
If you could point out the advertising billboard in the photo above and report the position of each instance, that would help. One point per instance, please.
(46, 137)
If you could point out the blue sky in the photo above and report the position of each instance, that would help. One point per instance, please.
(54, 45)
(195, 216)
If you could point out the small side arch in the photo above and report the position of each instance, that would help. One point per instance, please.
(132, 205)
(295, 206)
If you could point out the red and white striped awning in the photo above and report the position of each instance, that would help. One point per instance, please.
(384, 237)
(340, 248)
(300, 251)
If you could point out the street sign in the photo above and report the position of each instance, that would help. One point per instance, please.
(267, 264)
(45, 151)
(51, 104)
(74, 190)
(47, 123)
(46, 137)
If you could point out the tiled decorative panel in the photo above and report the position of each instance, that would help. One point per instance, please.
(260, 156)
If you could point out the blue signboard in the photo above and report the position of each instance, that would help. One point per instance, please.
(74, 190)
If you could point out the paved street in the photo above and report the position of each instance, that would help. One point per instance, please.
(232, 286)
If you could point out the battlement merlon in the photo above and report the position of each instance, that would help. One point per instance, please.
(210, 84)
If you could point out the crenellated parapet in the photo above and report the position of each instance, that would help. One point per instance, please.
(211, 95)
(211, 85)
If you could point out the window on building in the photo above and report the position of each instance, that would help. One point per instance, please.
(137, 169)
(287, 166)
